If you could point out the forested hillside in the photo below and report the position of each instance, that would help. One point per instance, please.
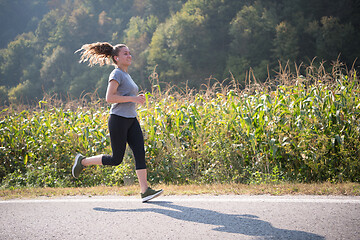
(186, 40)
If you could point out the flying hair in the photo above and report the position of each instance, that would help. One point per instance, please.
(101, 53)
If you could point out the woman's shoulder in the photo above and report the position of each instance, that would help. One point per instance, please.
(116, 74)
(119, 72)
(116, 71)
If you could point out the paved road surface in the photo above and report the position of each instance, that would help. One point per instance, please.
(182, 217)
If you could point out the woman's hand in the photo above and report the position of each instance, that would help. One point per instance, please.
(140, 99)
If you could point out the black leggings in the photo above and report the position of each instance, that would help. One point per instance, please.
(122, 131)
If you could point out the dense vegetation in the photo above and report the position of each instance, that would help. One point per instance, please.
(239, 91)
(293, 128)
(188, 40)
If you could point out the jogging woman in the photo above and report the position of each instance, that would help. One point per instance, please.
(124, 128)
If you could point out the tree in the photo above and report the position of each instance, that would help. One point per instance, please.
(333, 38)
(182, 45)
(188, 40)
(25, 92)
(18, 17)
(46, 27)
(138, 36)
(16, 58)
(286, 47)
(252, 32)
(52, 71)
(162, 9)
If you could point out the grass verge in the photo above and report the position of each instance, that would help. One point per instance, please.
(343, 189)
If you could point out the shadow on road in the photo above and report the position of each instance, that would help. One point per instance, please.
(231, 223)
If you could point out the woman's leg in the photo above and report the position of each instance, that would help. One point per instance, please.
(95, 160)
(118, 128)
(142, 176)
(135, 140)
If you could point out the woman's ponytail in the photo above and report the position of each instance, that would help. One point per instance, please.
(97, 53)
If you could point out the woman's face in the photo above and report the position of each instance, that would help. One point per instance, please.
(124, 57)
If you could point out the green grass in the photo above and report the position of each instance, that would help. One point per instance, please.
(293, 128)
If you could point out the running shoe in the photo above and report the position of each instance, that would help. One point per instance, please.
(150, 194)
(78, 167)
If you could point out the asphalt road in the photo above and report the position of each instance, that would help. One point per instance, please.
(182, 217)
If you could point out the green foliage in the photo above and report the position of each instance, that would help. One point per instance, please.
(185, 37)
(304, 129)
(138, 37)
(251, 30)
(19, 16)
(329, 33)
(3, 95)
(286, 42)
(187, 41)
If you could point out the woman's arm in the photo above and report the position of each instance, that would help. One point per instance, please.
(113, 97)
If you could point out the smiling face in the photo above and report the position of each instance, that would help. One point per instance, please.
(123, 59)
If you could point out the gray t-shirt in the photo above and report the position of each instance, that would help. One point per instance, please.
(127, 87)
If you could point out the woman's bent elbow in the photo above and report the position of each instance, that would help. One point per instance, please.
(108, 99)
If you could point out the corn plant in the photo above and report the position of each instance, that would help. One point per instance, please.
(294, 128)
